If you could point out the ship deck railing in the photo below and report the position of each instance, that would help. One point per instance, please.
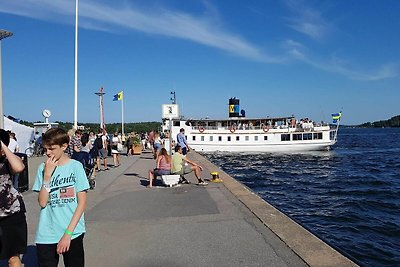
(288, 128)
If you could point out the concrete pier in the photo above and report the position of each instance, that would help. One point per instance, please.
(222, 224)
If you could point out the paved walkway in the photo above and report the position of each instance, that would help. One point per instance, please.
(189, 225)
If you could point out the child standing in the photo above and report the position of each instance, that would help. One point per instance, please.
(62, 186)
(13, 229)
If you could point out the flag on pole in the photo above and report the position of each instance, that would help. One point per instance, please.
(118, 96)
(336, 117)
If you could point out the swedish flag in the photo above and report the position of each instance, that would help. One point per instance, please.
(118, 96)
(336, 117)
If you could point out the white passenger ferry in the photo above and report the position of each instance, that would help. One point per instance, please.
(242, 134)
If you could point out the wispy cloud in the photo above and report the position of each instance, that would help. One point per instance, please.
(306, 20)
(385, 71)
(94, 15)
(204, 29)
(341, 66)
(310, 21)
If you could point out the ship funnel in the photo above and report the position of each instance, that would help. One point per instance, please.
(234, 107)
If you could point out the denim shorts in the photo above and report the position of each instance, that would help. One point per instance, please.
(159, 172)
(157, 146)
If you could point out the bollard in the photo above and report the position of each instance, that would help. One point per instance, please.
(215, 177)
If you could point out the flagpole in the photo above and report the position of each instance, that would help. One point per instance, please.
(337, 126)
(122, 106)
(76, 68)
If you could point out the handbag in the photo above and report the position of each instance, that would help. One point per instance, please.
(120, 147)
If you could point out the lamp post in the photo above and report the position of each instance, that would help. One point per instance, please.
(100, 94)
(3, 34)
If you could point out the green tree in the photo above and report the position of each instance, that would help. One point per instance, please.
(392, 122)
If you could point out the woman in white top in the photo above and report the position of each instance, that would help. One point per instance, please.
(115, 142)
(86, 144)
(157, 144)
(13, 145)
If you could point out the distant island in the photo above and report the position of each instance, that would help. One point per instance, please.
(392, 122)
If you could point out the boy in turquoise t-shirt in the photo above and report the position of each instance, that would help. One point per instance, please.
(62, 186)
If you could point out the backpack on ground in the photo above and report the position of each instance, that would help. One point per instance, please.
(98, 142)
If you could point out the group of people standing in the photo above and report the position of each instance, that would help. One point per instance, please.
(61, 184)
(97, 146)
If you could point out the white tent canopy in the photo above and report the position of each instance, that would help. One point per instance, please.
(24, 134)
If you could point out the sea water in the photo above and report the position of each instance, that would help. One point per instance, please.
(349, 196)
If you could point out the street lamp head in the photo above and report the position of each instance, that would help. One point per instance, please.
(5, 34)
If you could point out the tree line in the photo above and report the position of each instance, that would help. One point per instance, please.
(136, 127)
(392, 122)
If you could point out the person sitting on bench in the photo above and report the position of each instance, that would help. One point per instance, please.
(163, 166)
(179, 167)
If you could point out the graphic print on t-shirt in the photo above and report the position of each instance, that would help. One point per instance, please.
(62, 190)
(67, 192)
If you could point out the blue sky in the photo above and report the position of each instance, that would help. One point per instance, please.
(281, 57)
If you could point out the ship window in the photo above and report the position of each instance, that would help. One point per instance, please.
(246, 138)
(219, 138)
(307, 136)
(177, 123)
(317, 135)
(297, 137)
(211, 138)
(202, 138)
(229, 138)
(285, 137)
(237, 138)
(265, 137)
(255, 138)
(193, 138)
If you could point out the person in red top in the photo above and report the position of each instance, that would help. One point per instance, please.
(150, 138)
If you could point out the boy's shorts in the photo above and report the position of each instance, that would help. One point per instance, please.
(13, 235)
